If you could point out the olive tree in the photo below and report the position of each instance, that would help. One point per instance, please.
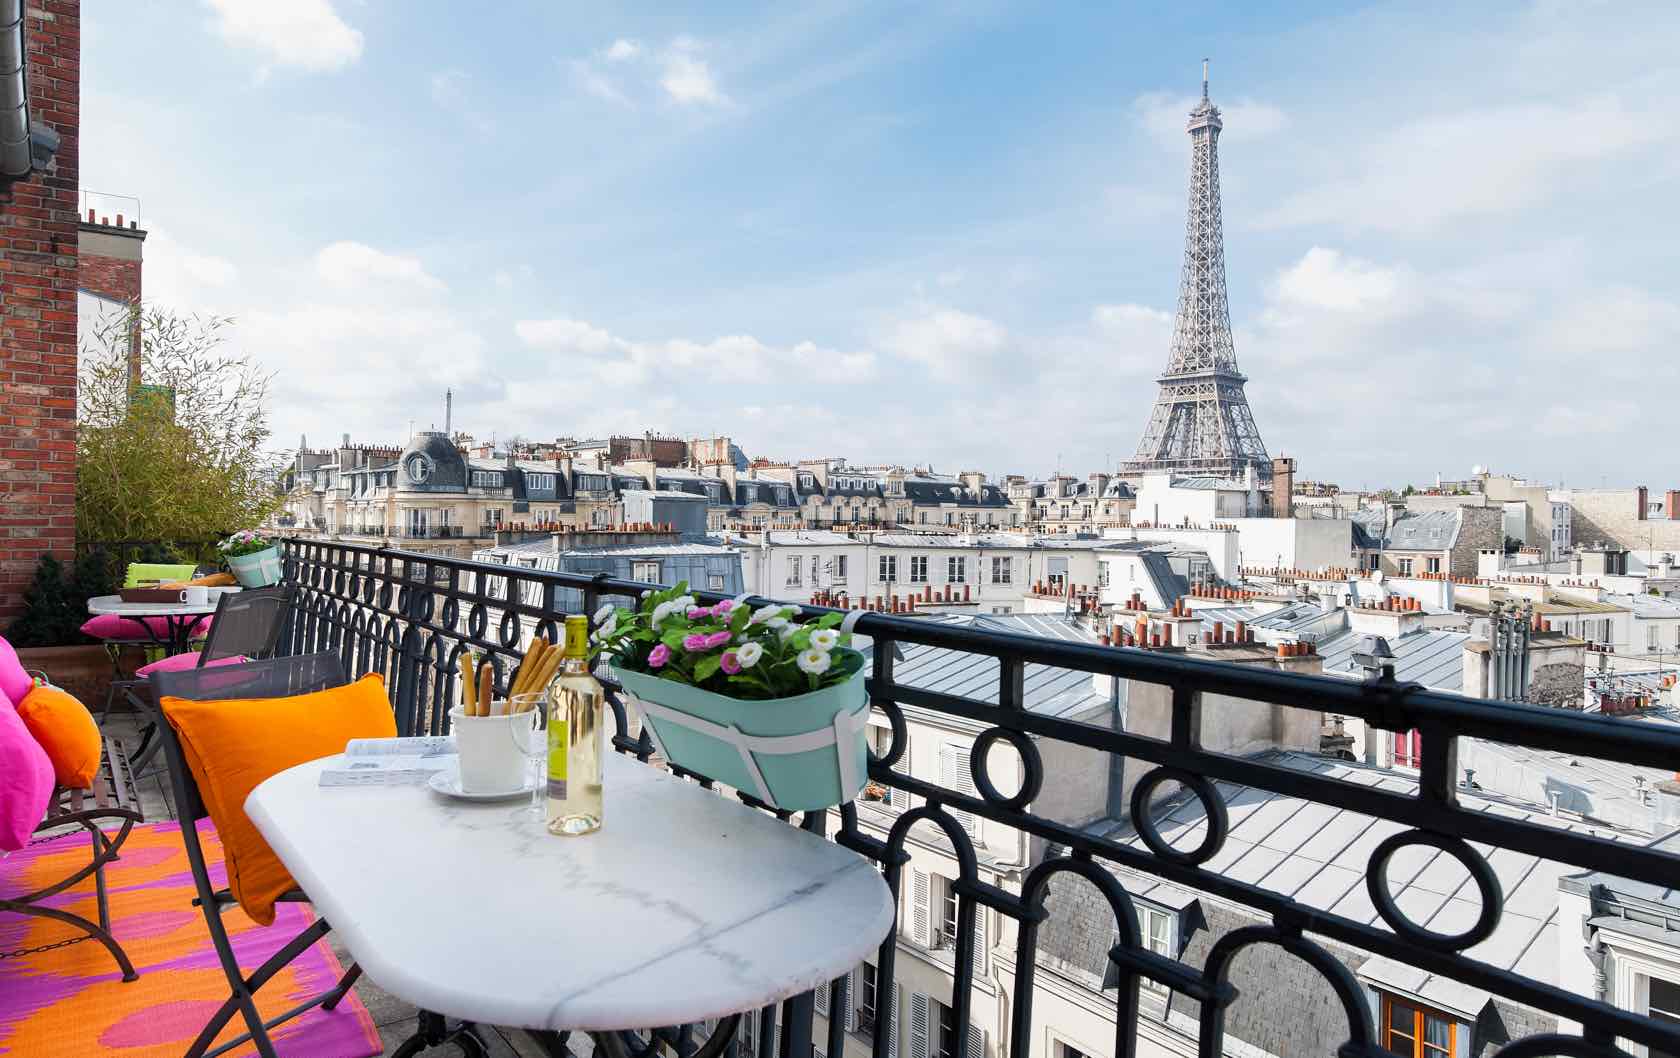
(177, 449)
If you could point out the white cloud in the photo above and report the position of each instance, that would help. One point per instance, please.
(1488, 161)
(349, 264)
(687, 79)
(1325, 279)
(305, 34)
(626, 72)
(949, 341)
(1163, 115)
(737, 358)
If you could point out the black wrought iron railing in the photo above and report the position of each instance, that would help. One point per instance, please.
(410, 616)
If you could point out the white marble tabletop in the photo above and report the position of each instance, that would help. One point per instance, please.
(684, 906)
(113, 604)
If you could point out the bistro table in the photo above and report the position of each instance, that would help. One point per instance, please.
(179, 618)
(685, 906)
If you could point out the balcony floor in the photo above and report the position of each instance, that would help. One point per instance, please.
(395, 1018)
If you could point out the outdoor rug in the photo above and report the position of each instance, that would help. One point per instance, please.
(71, 1002)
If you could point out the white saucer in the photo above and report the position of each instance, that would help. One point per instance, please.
(448, 783)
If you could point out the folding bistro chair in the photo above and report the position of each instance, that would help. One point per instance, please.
(274, 678)
(246, 628)
(135, 575)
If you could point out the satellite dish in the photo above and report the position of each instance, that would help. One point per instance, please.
(1478, 470)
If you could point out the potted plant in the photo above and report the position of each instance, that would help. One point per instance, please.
(251, 557)
(744, 696)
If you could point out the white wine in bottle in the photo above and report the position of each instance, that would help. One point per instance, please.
(576, 738)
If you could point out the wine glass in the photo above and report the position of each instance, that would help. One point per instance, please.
(532, 741)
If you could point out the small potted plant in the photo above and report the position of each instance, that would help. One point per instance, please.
(744, 696)
(252, 558)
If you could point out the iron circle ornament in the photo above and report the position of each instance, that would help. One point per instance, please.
(1487, 884)
(1218, 824)
(1031, 763)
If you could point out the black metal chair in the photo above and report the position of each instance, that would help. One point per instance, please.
(274, 678)
(247, 625)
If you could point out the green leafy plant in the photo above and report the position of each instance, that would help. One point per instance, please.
(172, 431)
(731, 650)
(55, 603)
(244, 542)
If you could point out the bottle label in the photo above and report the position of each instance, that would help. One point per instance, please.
(557, 758)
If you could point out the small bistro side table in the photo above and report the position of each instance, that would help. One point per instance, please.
(686, 906)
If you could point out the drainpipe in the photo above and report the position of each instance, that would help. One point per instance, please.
(16, 156)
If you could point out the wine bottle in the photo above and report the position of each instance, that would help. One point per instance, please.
(576, 738)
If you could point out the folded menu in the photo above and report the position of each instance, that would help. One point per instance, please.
(389, 761)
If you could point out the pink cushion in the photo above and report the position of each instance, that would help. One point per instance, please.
(112, 626)
(26, 780)
(177, 662)
(14, 681)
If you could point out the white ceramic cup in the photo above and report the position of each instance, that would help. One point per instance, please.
(489, 747)
(195, 596)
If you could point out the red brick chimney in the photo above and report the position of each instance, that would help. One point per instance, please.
(108, 267)
(1283, 487)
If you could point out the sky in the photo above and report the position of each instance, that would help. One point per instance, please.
(942, 234)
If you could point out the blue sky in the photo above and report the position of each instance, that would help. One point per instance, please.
(942, 233)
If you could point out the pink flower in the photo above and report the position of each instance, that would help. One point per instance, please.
(698, 611)
(730, 663)
(694, 642)
(660, 655)
(724, 607)
(716, 639)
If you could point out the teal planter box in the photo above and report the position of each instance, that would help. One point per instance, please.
(800, 754)
(256, 570)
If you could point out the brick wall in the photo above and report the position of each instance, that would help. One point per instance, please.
(101, 271)
(1479, 527)
(38, 259)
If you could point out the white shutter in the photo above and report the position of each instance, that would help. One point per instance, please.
(776, 1038)
(920, 908)
(979, 942)
(851, 1002)
(954, 775)
(918, 1025)
(821, 993)
(892, 1023)
(976, 1042)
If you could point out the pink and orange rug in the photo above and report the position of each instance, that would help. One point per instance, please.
(71, 1002)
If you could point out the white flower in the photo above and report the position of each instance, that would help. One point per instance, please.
(780, 624)
(608, 627)
(766, 615)
(786, 631)
(666, 609)
(825, 639)
(607, 610)
(815, 662)
(748, 654)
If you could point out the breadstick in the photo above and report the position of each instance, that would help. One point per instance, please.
(524, 667)
(546, 669)
(540, 649)
(469, 685)
(486, 688)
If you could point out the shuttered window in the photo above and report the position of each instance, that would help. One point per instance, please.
(955, 774)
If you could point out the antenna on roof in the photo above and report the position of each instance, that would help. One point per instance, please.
(1204, 80)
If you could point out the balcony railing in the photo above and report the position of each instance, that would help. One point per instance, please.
(409, 616)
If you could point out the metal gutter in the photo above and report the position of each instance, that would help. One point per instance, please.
(16, 157)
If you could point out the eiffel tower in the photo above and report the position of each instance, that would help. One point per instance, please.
(1201, 423)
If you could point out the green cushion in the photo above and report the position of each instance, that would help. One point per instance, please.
(140, 572)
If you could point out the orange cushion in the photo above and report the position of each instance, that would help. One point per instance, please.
(65, 729)
(234, 744)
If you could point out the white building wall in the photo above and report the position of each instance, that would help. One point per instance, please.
(1310, 544)
(1219, 544)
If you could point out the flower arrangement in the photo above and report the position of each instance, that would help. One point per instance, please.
(244, 542)
(737, 651)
